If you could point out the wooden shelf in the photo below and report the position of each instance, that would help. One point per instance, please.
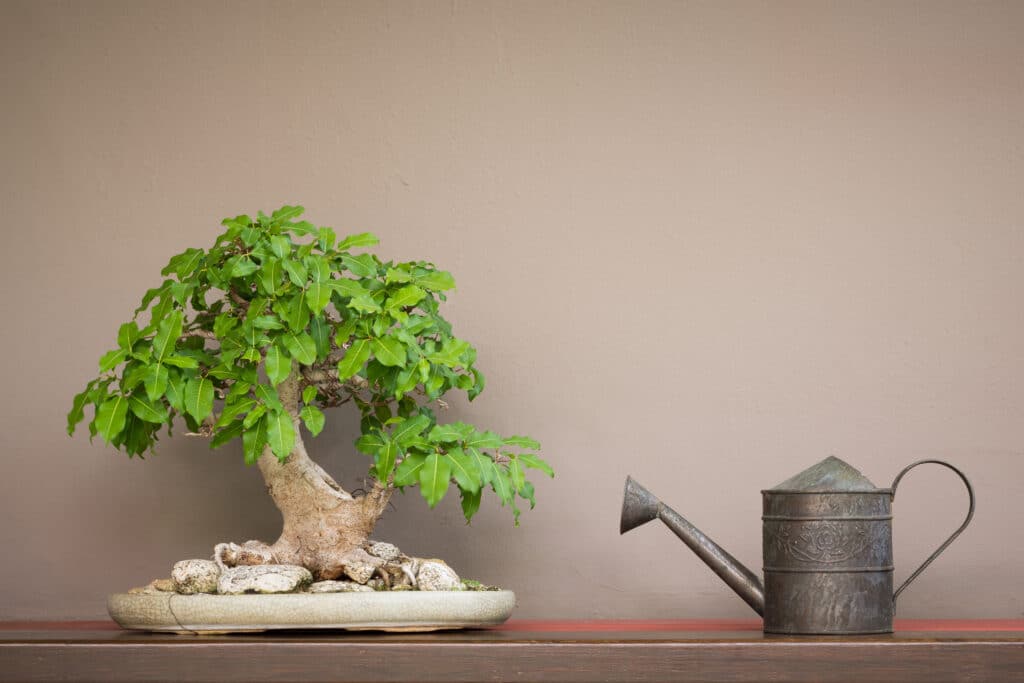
(706, 650)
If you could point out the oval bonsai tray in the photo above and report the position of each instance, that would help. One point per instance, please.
(381, 611)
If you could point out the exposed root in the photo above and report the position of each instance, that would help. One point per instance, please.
(249, 553)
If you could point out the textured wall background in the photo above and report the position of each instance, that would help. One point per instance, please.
(707, 244)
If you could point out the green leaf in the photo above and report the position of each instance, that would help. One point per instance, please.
(388, 351)
(223, 324)
(434, 476)
(408, 472)
(166, 336)
(245, 377)
(313, 419)
(159, 312)
(268, 322)
(465, 470)
(270, 275)
(135, 437)
(111, 416)
(436, 280)
(349, 288)
(77, 413)
(400, 274)
(363, 304)
(344, 331)
(286, 213)
(470, 503)
(370, 444)
(234, 409)
(175, 389)
(405, 432)
(478, 387)
(147, 410)
(321, 334)
(181, 292)
(385, 460)
(155, 380)
(407, 296)
(484, 440)
(186, 362)
(308, 394)
(127, 335)
(296, 271)
(254, 438)
(500, 483)
(363, 239)
(301, 347)
(255, 414)
(250, 236)
(522, 442)
(152, 294)
(450, 433)
(226, 434)
(244, 267)
(451, 352)
(483, 464)
(364, 265)
(297, 314)
(133, 374)
(268, 395)
(111, 359)
(319, 268)
(527, 493)
(354, 358)
(516, 475)
(318, 295)
(281, 246)
(199, 398)
(303, 228)
(325, 238)
(184, 263)
(280, 433)
(530, 460)
(278, 365)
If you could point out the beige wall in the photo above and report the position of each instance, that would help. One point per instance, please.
(706, 244)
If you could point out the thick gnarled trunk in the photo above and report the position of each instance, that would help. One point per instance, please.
(322, 522)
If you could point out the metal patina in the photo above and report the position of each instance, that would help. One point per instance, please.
(827, 542)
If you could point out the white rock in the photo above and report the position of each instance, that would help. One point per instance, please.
(339, 587)
(360, 565)
(385, 551)
(435, 575)
(263, 578)
(195, 576)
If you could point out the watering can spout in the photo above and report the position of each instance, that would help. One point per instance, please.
(640, 506)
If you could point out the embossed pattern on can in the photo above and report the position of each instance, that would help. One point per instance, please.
(827, 562)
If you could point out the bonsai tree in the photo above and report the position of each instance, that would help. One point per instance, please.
(276, 322)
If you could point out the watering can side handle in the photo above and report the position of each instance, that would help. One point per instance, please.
(967, 520)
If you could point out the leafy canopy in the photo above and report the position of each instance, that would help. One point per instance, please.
(290, 299)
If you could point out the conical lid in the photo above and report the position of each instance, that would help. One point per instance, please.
(831, 474)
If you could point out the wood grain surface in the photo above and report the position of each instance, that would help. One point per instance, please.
(519, 651)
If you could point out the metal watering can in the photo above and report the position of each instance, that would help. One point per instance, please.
(828, 561)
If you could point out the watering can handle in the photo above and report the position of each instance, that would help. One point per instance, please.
(970, 514)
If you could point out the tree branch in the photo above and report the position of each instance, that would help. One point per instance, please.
(206, 428)
(238, 299)
(205, 334)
